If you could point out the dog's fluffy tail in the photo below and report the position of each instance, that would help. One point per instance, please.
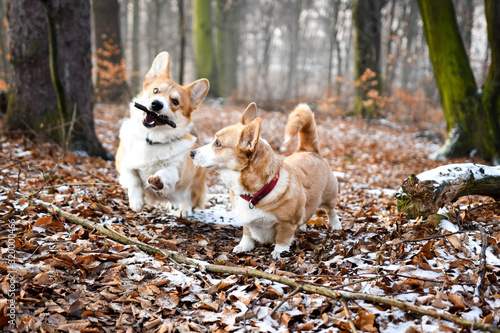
(301, 121)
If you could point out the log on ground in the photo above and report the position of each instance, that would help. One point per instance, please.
(424, 194)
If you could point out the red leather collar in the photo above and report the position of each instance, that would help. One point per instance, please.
(254, 199)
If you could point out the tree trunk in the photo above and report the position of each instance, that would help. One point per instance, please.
(135, 77)
(293, 53)
(222, 10)
(390, 62)
(333, 45)
(465, 11)
(367, 22)
(203, 44)
(233, 22)
(111, 82)
(33, 100)
(424, 194)
(468, 130)
(491, 88)
(4, 64)
(182, 46)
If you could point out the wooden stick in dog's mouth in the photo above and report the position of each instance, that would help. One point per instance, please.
(159, 119)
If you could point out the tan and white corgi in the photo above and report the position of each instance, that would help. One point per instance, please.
(153, 155)
(271, 198)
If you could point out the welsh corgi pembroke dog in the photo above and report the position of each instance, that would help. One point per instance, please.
(153, 155)
(272, 198)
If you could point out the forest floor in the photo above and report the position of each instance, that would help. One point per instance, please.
(67, 278)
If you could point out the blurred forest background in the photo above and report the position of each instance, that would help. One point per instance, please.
(273, 52)
(266, 50)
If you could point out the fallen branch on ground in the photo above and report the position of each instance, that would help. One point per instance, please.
(337, 295)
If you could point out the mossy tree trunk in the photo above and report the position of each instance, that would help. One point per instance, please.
(33, 101)
(111, 80)
(491, 88)
(469, 129)
(367, 16)
(203, 44)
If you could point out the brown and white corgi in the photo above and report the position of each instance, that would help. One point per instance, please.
(271, 198)
(153, 155)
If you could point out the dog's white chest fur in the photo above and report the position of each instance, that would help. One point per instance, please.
(260, 223)
(148, 158)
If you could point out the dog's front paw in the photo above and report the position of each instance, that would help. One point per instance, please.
(155, 183)
(246, 244)
(278, 249)
(184, 212)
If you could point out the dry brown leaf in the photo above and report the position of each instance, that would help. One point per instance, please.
(77, 325)
(41, 279)
(457, 300)
(455, 242)
(167, 301)
(365, 321)
(306, 327)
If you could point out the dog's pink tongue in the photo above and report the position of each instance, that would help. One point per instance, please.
(150, 119)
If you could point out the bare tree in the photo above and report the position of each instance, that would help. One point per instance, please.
(111, 81)
(57, 98)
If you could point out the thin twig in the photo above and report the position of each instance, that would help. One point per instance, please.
(482, 263)
(47, 179)
(84, 184)
(348, 316)
(73, 117)
(284, 300)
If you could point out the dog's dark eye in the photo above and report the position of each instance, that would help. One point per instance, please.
(175, 102)
(155, 91)
(217, 143)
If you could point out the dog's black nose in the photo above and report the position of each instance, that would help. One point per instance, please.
(156, 105)
(192, 153)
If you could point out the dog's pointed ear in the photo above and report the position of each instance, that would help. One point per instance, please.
(250, 136)
(250, 114)
(160, 66)
(197, 91)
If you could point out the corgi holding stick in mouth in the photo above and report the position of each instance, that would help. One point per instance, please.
(272, 198)
(153, 155)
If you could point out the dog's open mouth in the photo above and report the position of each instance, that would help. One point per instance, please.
(153, 119)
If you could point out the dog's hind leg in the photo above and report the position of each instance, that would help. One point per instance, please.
(334, 220)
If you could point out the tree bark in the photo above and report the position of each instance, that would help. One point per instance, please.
(424, 194)
(111, 81)
(491, 88)
(203, 43)
(468, 129)
(32, 101)
(367, 21)
(135, 78)
(182, 46)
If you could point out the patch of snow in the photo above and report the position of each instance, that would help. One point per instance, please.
(448, 226)
(459, 171)
(382, 191)
(473, 315)
(340, 175)
(410, 297)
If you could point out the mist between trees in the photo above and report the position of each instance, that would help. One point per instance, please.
(266, 50)
(276, 50)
